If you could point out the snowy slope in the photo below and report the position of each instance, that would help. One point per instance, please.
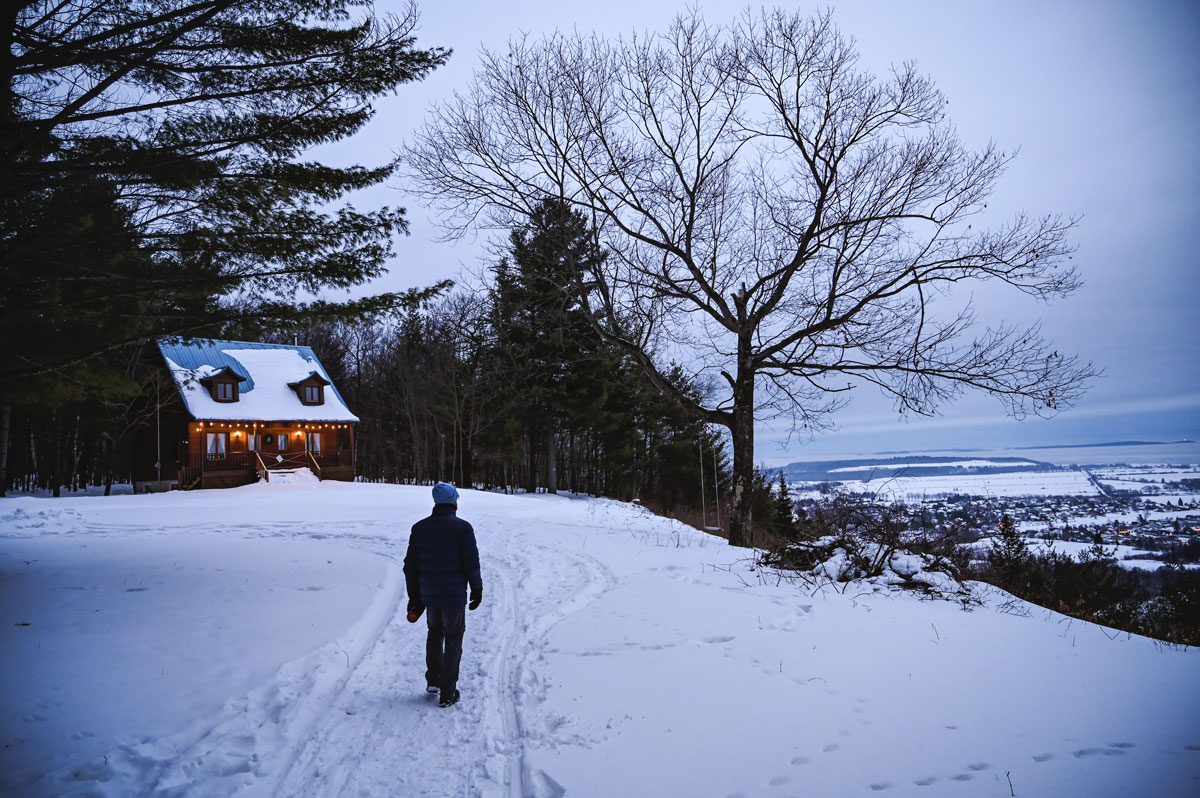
(252, 642)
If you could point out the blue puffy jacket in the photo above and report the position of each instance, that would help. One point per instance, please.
(442, 560)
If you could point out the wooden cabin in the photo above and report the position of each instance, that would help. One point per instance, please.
(247, 410)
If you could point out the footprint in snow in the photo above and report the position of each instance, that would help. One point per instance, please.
(883, 785)
(830, 747)
(1084, 752)
(1042, 757)
(963, 777)
(800, 760)
(978, 766)
(925, 782)
(717, 639)
(779, 781)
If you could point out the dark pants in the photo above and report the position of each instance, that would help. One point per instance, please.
(443, 647)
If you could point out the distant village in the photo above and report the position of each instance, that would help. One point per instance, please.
(1158, 516)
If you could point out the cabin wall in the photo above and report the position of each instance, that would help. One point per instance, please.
(239, 463)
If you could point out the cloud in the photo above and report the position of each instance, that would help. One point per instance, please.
(890, 423)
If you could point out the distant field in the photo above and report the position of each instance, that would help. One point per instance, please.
(972, 464)
(914, 488)
(1135, 479)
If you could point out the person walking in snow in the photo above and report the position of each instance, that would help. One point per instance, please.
(442, 561)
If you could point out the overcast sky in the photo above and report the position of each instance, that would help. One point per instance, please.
(1103, 100)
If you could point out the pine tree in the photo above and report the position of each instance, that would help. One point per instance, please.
(785, 512)
(556, 365)
(188, 121)
(153, 183)
(1009, 554)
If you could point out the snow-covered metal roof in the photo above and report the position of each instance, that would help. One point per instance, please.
(265, 395)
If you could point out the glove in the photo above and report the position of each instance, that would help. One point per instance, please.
(415, 608)
(476, 598)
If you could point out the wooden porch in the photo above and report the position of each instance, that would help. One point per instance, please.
(229, 470)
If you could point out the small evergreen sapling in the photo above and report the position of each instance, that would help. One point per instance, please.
(1010, 555)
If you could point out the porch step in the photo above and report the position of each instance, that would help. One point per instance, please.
(293, 475)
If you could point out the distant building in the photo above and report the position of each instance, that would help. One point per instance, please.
(248, 409)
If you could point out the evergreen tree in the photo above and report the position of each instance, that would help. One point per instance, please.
(188, 121)
(1009, 554)
(557, 367)
(152, 183)
(785, 512)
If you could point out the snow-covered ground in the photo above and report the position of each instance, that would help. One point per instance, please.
(253, 642)
(918, 488)
(971, 464)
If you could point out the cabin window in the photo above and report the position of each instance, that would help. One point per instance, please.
(225, 391)
(282, 440)
(216, 445)
(313, 395)
(314, 442)
(251, 442)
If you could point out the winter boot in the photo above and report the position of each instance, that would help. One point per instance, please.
(449, 700)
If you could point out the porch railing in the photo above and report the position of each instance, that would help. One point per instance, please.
(261, 462)
(225, 461)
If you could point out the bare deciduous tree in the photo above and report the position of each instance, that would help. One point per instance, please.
(775, 215)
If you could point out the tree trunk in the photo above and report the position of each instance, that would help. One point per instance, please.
(551, 461)
(5, 419)
(741, 532)
(108, 455)
(531, 447)
(55, 455)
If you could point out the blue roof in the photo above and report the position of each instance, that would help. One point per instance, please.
(209, 353)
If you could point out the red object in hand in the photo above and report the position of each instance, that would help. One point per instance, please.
(413, 615)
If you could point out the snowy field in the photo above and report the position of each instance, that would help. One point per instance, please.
(1138, 479)
(951, 464)
(918, 488)
(252, 642)
(1126, 556)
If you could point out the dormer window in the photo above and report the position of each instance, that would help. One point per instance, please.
(311, 389)
(223, 386)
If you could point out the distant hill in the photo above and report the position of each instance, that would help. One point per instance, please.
(1099, 445)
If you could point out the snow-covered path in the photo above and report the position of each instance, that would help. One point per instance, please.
(380, 741)
(615, 653)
